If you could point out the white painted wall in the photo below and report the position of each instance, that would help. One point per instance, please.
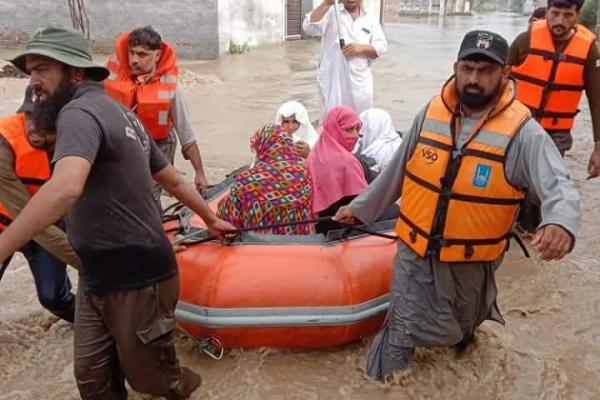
(253, 22)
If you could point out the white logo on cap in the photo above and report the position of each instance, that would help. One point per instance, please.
(484, 41)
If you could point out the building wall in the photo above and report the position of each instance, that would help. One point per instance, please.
(371, 5)
(189, 24)
(250, 22)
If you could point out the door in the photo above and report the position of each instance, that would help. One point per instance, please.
(293, 19)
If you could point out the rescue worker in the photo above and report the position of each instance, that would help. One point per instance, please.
(462, 171)
(344, 75)
(553, 63)
(144, 78)
(104, 163)
(24, 167)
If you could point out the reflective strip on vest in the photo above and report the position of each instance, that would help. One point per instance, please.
(168, 79)
(484, 137)
(163, 117)
(166, 94)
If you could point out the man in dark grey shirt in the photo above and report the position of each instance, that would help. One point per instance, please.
(104, 164)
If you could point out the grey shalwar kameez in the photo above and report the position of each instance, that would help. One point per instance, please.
(437, 304)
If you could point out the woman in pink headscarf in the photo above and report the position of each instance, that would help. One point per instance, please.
(336, 173)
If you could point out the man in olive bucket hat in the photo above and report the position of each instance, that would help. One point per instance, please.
(104, 164)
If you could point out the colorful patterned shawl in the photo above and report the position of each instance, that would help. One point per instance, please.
(276, 190)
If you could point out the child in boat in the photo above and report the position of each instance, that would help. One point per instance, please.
(276, 190)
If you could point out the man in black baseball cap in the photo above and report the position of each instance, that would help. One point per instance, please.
(480, 70)
(462, 171)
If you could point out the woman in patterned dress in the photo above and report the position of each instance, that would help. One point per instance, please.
(277, 189)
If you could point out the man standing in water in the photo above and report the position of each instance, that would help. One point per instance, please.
(553, 62)
(462, 171)
(344, 75)
(144, 78)
(25, 153)
(104, 163)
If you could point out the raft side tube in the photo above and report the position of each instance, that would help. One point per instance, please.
(280, 316)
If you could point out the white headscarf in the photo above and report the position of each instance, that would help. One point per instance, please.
(305, 132)
(379, 137)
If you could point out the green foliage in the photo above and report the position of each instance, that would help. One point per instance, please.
(235, 48)
(589, 13)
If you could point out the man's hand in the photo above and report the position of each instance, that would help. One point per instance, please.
(344, 215)
(594, 163)
(552, 242)
(303, 148)
(201, 182)
(354, 49)
(222, 230)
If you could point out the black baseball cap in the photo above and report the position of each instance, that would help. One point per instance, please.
(486, 43)
(28, 104)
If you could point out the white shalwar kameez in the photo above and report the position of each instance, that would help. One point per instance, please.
(346, 81)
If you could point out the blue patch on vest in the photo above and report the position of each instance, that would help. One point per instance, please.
(482, 175)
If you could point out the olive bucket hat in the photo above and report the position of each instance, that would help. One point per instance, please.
(64, 45)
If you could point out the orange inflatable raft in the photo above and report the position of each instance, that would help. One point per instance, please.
(281, 291)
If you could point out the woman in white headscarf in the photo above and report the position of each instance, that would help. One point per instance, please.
(293, 117)
(379, 137)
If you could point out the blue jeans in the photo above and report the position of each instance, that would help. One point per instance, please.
(51, 281)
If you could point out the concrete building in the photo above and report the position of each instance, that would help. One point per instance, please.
(200, 29)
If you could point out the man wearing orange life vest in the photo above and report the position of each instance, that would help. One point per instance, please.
(24, 167)
(553, 63)
(143, 77)
(462, 170)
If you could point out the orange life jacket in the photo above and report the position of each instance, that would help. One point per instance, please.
(551, 83)
(457, 204)
(151, 100)
(32, 166)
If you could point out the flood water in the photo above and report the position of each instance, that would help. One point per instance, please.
(549, 348)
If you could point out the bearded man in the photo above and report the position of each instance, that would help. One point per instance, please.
(462, 171)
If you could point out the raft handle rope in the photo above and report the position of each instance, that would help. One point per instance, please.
(354, 227)
(212, 346)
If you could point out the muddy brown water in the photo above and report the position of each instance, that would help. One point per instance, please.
(549, 348)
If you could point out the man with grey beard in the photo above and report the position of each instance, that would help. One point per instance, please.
(104, 164)
(461, 172)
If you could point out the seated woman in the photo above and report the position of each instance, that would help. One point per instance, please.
(379, 139)
(336, 173)
(276, 190)
(293, 117)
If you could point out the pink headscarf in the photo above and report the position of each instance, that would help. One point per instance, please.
(335, 171)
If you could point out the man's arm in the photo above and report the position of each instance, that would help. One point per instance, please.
(592, 90)
(533, 162)
(173, 182)
(319, 12)
(518, 49)
(189, 147)
(50, 203)
(315, 22)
